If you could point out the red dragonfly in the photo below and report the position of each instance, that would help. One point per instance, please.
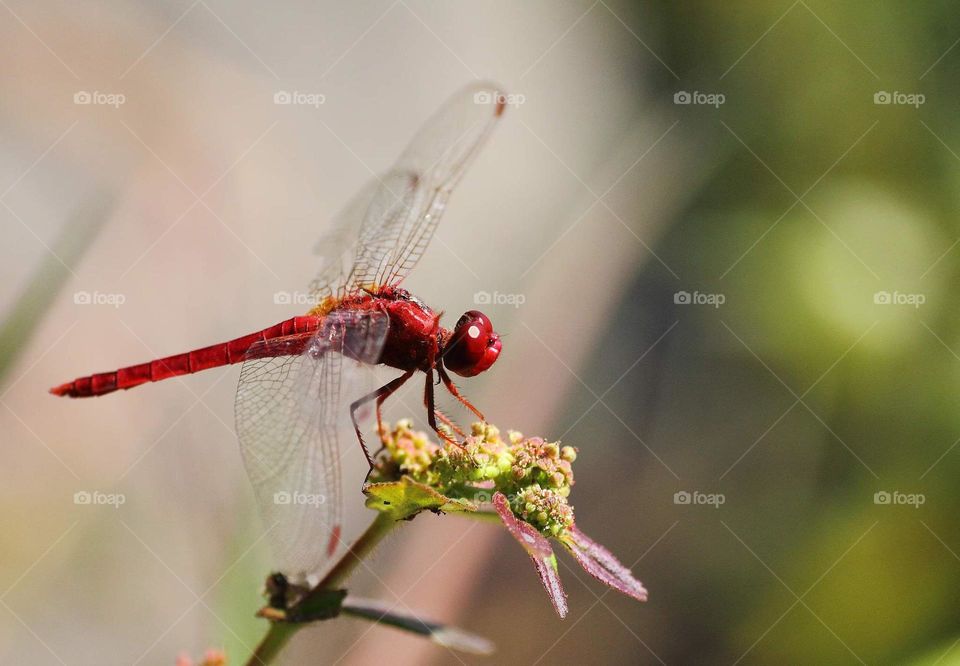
(288, 402)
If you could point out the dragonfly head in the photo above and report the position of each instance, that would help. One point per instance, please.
(473, 346)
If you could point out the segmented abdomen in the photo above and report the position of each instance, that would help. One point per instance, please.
(224, 353)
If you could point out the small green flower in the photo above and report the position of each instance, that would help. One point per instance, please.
(411, 452)
(540, 463)
(544, 508)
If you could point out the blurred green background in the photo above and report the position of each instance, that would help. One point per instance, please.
(805, 200)
(805, 394)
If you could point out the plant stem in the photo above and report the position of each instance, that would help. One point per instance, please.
(280, 633)
(273, 643)
(358, 551)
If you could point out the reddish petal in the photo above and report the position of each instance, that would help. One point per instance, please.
(602, 565)
(539, 550)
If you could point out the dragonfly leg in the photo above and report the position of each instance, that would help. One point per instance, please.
(446, 420)
(383, 432)
(380, 429)
(428, 399)
(445, 378)
(449, 423)
(379, 395)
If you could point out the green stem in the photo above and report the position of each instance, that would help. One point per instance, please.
(273, 643)
(362, 547)
(280, 633)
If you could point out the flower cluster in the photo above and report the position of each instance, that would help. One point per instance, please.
(527, 480)
(535, 475)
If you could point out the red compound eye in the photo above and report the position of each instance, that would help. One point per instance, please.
(474, 345)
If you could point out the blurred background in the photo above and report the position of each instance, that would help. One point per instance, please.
(720, 239)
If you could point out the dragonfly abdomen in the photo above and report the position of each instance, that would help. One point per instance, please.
(224, 353)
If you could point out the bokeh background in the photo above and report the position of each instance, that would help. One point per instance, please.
(746, 299)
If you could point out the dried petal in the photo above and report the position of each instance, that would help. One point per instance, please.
(539, 550)
(602, 565)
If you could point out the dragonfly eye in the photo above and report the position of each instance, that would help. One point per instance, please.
(474, 345)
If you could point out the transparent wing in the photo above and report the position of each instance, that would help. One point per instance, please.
(412, 197)
(337, 249)
(401, 209)
(288, 415)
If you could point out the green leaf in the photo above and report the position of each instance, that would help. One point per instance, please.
(406, 498)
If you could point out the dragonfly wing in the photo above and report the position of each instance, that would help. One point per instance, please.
(338, 247)
(289, 414)
(404, 211)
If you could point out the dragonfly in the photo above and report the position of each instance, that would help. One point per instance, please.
(295, 375)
